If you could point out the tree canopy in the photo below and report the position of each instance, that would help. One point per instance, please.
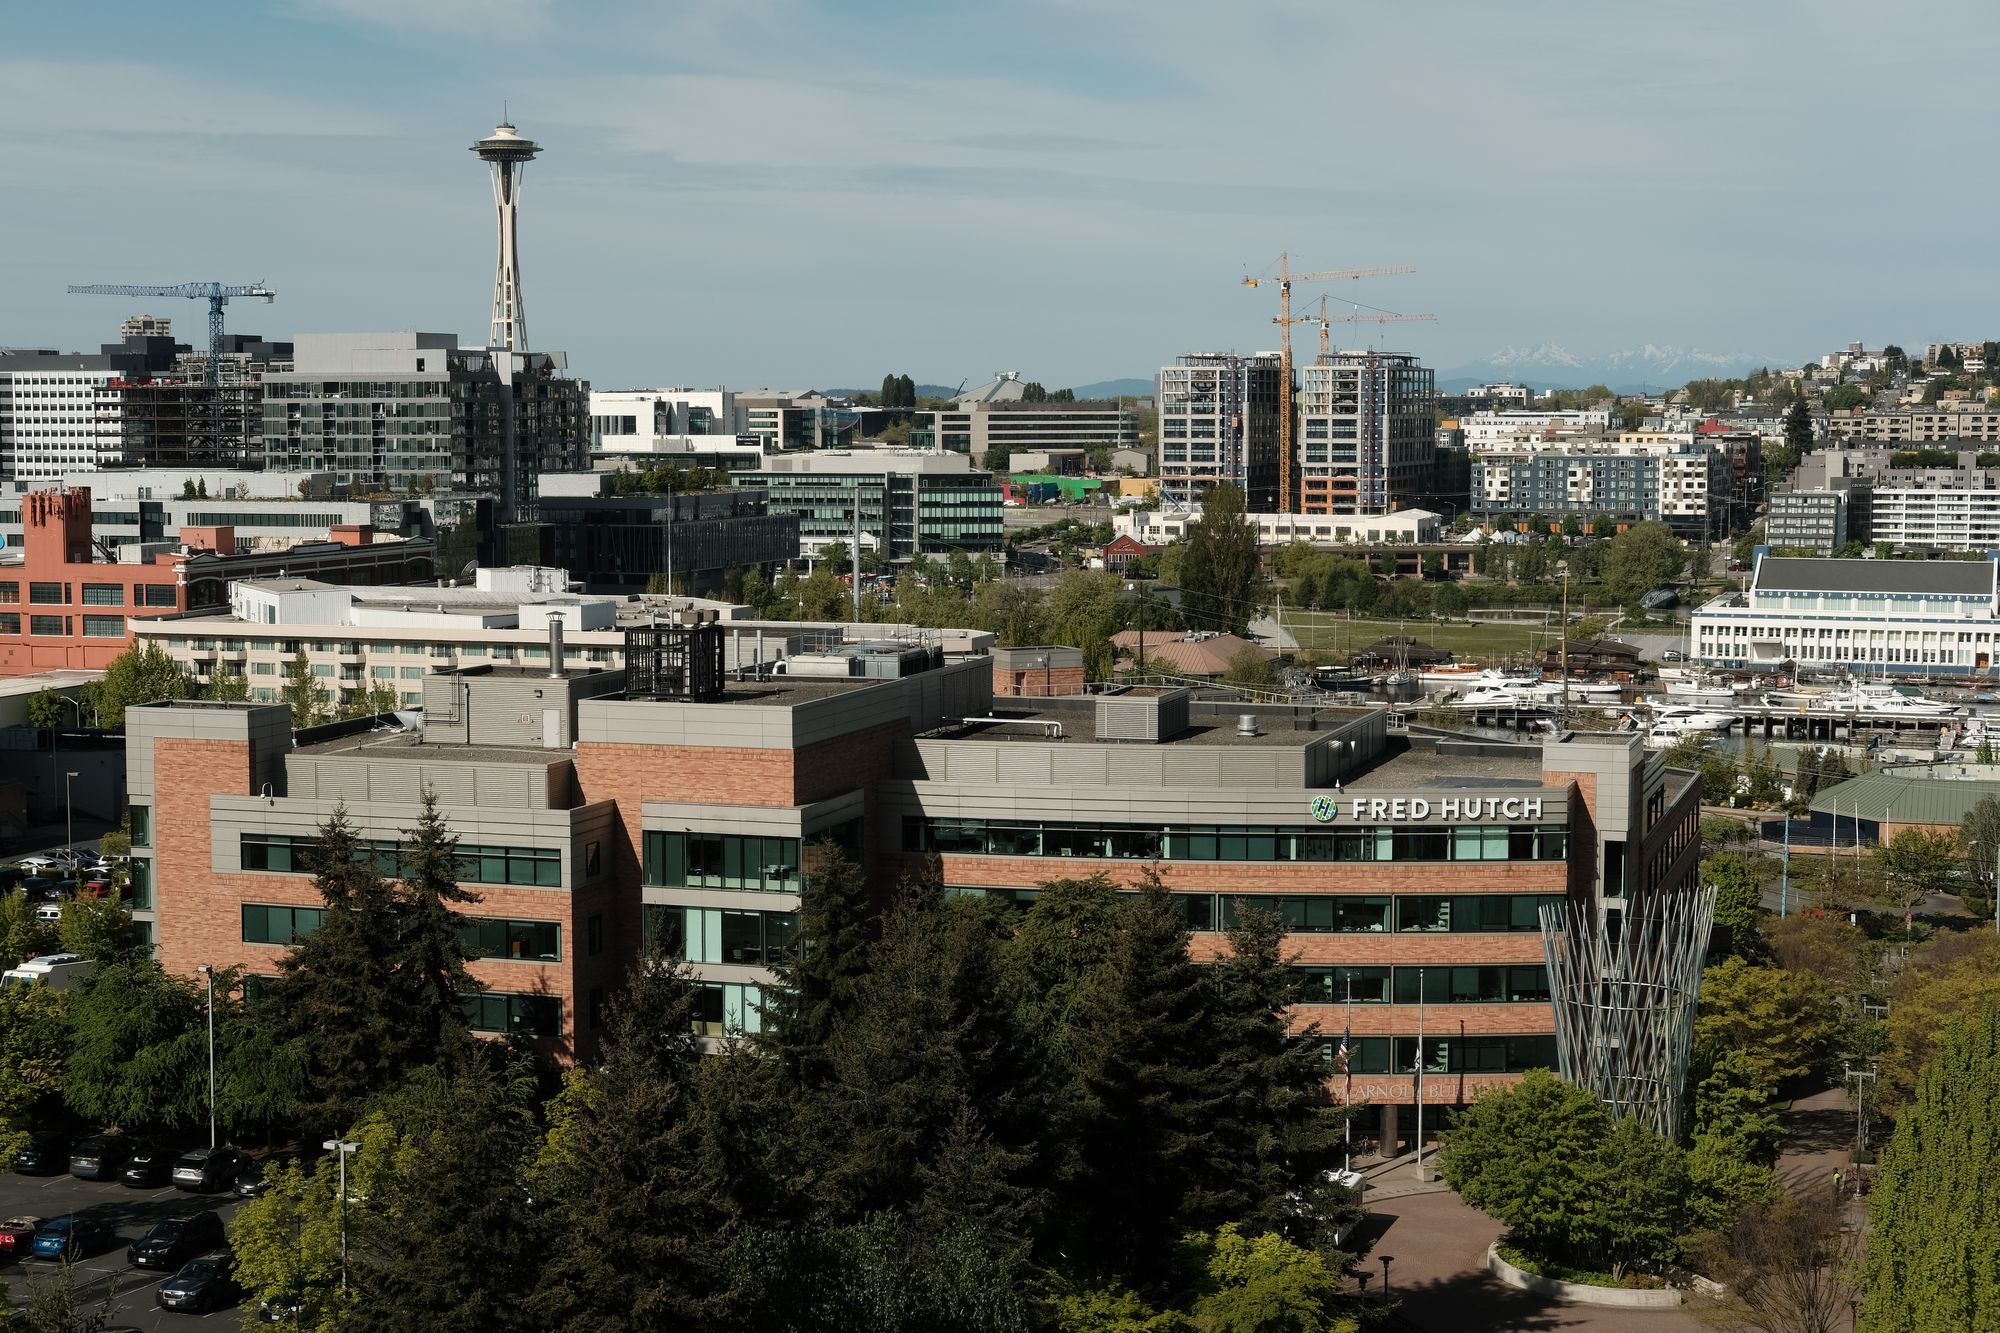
(1219, 568)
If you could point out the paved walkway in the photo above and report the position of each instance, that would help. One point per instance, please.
(1437, 1245)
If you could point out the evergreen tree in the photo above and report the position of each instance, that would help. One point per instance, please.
(820, 982)
(906, 392)
(1799, 429)
(1934, 1251)
(1131, 1137)
(1219, 567)
(430, 973)
(1277, 1132)
(336, 993)
(451, 1240)
(634, 1237)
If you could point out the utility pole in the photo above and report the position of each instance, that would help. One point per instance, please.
(854, 558)
(1562, 570)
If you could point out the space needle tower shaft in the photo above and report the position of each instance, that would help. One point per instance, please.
(508, 154)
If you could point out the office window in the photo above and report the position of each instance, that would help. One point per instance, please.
(594, 929)
(492, 937)
(104, 627)
(711, 935)
(1342, 985)
(46, 594)
(161, 594)
(273, 924)
(104, 594)
(722, 861)
(50, 625)
(140, 875)
(10, 622)
(510, 865)
(141, 817)
(524, 1015)
(10, 591)
(723, 1010)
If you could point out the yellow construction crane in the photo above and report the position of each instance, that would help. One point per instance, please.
(1284, 279)
(1374, 316)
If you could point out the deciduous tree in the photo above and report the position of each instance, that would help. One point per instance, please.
(1779, 1023)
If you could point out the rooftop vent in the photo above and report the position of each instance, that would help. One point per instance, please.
(1246, 724)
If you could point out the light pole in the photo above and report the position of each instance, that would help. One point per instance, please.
(1387, 1259)
(69, 809)
(1562, 572)
(344, 1148)
(208, 976)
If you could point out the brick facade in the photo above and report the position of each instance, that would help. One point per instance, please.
(1038, 682)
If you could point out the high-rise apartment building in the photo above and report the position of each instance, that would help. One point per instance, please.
(1219, 422)
(415, 411)
(1367, 433)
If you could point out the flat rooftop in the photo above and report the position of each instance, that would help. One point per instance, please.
(387, 744)
(1079, 725)
(1405, 768)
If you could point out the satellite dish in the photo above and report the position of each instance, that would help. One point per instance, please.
(471, 568)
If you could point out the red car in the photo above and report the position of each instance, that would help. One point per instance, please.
(17, 1236)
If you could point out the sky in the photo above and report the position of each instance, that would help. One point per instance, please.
(786, 193)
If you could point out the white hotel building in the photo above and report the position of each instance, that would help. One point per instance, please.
(1911, 617)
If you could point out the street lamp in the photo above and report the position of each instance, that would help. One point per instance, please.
(1387, 1259)
(208, 976)
(69, 808)
(1562, 572)
(345, 1149)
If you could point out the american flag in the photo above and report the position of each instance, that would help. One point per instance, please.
(1346, 1068)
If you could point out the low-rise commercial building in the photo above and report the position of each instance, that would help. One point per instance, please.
(597, 810)
(1157, 527)
(64, 604)
(1909, 617)
(910, 502)
(621, 543)
(1013, 427)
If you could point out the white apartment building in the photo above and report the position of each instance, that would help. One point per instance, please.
(621, 416)
(49, 423)
(1963, 517)
(1404, 527)
(1926, 617)
(1489, 429)
(1925, 425)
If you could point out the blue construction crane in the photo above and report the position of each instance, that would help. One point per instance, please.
(215, 293)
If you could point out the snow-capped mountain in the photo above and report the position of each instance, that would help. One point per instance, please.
(1550, 365)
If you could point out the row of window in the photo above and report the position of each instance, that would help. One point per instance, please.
(734, 861)
(1423, 985)
(94, 627)
(995, 837)
(482, 936)
(1442, 1055)
(708, 935)
(1348, 914)
(291, 853)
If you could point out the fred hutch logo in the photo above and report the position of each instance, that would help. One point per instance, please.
(1326, 809)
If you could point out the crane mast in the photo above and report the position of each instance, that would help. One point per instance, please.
(1284, 280)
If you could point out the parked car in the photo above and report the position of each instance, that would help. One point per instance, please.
(201, 1285)
(48, 913)
(149, 1166)
(205, 1170)
(51, 890)
(47, 1154)
(36, 863)
(72, 1237)
(12, 877)
(172, 1243)
(17, 1236)
(251, 1182)
(100, 1157)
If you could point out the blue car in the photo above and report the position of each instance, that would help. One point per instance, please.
(71, 1237)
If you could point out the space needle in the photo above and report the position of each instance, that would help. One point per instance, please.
(508, 154)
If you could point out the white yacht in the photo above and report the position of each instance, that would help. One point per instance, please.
(1676, 722)
(1515, 693)
(1879, 699)
(1699, 691)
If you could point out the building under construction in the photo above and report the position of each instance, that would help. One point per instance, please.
(1368, 433)
(176, 418)
(1219, 422)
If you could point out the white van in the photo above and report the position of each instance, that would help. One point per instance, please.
(57, 971)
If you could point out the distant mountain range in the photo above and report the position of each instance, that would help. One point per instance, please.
(1117, 389)
(1553, 366)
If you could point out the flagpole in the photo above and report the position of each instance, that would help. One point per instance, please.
(1420, 1073)
(1785, 873)
(1347, 1071)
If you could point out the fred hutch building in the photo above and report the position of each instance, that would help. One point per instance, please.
(671, 798)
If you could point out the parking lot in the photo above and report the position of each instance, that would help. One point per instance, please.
(129, 1212)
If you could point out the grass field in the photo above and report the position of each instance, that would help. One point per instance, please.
(1330, 631)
